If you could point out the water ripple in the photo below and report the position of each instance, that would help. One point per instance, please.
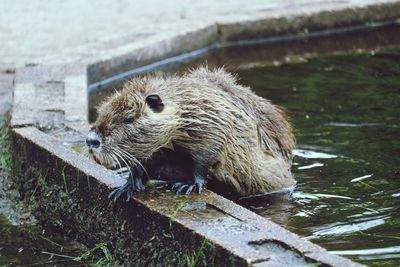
(309, 154)
(340, 228)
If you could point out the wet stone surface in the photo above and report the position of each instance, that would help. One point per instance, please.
(278, 254)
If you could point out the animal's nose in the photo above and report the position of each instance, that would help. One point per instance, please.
(93, 140)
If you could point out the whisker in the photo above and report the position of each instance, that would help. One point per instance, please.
(129, 156)
(116, 160)
(116, 153)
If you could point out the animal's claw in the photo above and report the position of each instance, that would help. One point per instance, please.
(115, 194)
(187, 189)
(176, 186)
(131, 187)
(138, 185)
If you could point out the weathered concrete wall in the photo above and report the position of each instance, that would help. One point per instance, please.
(68, 191)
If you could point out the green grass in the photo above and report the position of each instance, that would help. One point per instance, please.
(64, 179)
(104, 260)
(98, 256)
(178, 208)
(316, 264)
(5, 155)
(5, 161)
(199, 257)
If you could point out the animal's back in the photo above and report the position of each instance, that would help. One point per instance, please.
(256, 154)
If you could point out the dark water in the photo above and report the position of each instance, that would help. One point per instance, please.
(346, 114)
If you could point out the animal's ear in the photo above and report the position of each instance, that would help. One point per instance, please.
(155, 103)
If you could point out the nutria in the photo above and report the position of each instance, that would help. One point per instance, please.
(243, 140)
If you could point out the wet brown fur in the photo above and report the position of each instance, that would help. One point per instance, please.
(245, 140)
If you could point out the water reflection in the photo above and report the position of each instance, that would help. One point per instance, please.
(347, 165)
(341, 228)
(309, 154)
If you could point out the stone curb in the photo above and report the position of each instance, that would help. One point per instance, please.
(235, 235)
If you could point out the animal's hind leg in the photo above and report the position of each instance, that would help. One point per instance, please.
(134, 184)
(198, 181)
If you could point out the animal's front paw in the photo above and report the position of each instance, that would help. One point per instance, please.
(187, 189)
(131, 187)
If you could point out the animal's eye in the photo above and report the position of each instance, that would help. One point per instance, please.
(129, 120)
(155, 103)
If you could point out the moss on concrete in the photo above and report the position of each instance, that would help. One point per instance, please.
(5, 159)
(5, 154)
(75, 204)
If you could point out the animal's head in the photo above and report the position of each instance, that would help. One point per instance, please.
(131, 125)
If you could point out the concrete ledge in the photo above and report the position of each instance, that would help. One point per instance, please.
(298, 23)
(183, 42)
(326, 16)
(48, 96)
(69, 191)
